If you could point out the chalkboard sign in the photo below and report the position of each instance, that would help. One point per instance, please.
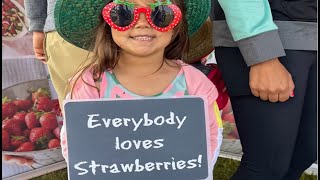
(137, 139)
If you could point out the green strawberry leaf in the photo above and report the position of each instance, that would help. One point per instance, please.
(39, 114)
(5, 99)
(42, 143)
(18, 137)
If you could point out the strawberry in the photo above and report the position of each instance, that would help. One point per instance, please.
(53, 143)
(9, 4)
(43, 104)
(56, 107)
(26, 133)
(233, 135)
(8, 108)
(40, 93)
(13, 32)
(40, 136)
(5, 140)
(16, 141)
(56, 132)
(32, 119)
(23, 105)
(27, 146)
(20, 116)
(5, 123)
(60, 123)
(227, 109)
(49, 120)
(228, 117)
(12, 126)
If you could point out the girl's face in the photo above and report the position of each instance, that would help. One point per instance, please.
(142, 40)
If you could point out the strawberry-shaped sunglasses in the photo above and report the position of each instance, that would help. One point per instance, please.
(122, 15)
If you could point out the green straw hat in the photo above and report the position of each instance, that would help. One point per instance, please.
(75, 19)
(200, 43)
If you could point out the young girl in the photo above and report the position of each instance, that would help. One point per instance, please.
(136, 53)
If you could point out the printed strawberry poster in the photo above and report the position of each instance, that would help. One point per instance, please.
(31, 117)
(16, 39)
(31, 123)
(18, 62)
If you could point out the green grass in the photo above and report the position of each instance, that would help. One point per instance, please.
(224, 169)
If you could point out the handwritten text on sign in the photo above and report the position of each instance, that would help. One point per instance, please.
(137, 139)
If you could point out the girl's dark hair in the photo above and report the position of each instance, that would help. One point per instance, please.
(105, 52)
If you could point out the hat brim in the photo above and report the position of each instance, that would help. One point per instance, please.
(75, 20)
(200, 43)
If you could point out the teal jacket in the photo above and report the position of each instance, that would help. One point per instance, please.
(262, 32)
(247, 18)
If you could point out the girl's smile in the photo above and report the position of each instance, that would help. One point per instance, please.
(143, 38)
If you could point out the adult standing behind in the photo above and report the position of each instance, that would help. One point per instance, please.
(62, 58)
(266, 50)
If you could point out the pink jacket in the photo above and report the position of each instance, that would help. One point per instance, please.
(197, 84)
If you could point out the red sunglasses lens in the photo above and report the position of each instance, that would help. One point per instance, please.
(122, 15)
(162, 16)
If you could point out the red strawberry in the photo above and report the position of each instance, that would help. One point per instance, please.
(27, 146)
(26, 132)
(40, 136)
(233, 135)
(228, 117)
(56, 107)
(32, 119)
(12, 126)
(5, 140)
(43, 104)
(16, 141)
(49, 120)
(9, 3)
(60, 123)
(53, 143)
(56, 132)
(20, 116)
(23, 105)
(13, 32)
(227, 109)
(8, 108)
(5, 123)
(40, 93)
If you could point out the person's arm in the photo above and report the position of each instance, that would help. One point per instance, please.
(36, 11)
(252, 27)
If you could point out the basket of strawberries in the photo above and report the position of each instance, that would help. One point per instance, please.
(31, 123)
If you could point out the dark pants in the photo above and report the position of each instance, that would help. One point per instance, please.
(279, 140)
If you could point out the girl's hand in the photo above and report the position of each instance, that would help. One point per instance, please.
(271, 81)
(38, 38)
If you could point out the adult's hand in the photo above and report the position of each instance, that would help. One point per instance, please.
(38, 38)
(271, 81)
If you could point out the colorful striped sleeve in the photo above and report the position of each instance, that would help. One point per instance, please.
(199, 84)
(81, 90)
(219, 136)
